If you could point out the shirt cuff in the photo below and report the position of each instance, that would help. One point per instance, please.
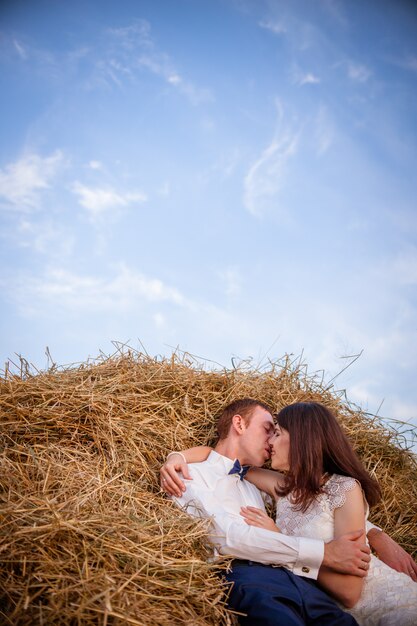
(310, 557)
(369, 526)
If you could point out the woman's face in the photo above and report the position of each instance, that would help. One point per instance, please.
(280, 449)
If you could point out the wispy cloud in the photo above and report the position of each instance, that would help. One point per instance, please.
(324, 131)
(224, 167)
(21, 51)
(161, 66)
(164, 190)
(404, 411)
(275, 26)
(410, 63)
(159, 320)
(126, 291)
(265, 177)
(45, 237)
(406, 62)
(306, 79)
(114, 59)
(358, 72)
(232, 281)
(133, 48)
(95, 165)
(100, 201)
(336, 9)
(403, 268)
(22, 182)
(39, 61)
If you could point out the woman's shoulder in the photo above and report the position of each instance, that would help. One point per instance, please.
(336, 488)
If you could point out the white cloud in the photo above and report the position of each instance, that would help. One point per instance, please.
(225, 166)
(95, 165)
(159, 320)
(208, 124)
(404, 267)
(336, 9)
(133, 48)
(174, 79)
(20, 50)
(358, 73)
(164, 190)
(232, 281)
(301, 78)
(103, 200)
(360, 393)
(161, 66)
(411, 63)
(275, 27)
(45, 237)
(22, 182)
(404, 411)
(129, 36)
(408, 62)
(324, 131)
(265, 177)
(399, 270)
(126, 291)
(309, 79)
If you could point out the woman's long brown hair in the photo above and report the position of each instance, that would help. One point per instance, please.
(318, 446)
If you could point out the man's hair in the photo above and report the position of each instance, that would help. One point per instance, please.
(244, 407)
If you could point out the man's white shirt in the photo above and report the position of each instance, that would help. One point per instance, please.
(214, 493)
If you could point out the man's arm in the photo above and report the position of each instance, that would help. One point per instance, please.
(232, 536)
(304, 556)
(391, 553)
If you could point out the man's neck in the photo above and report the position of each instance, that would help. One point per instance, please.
(228, 448)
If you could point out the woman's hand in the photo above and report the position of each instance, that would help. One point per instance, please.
(177, 464)
(257, 517)
(170, 477)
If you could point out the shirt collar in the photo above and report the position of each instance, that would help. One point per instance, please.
(220, 463)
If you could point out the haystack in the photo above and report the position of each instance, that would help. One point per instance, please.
(86, 535)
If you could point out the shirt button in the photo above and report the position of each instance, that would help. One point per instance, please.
(305, 569)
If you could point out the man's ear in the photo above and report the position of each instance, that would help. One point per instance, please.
(238, 424)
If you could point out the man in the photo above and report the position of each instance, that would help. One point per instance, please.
(285, 595)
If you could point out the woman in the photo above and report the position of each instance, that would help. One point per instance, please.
(323, 491)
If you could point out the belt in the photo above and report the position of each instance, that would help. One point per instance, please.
(244, 562)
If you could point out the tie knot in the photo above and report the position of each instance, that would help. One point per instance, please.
(239, 469)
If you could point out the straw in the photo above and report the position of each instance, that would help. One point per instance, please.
(86, 535)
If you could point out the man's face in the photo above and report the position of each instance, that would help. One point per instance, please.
(255, 447)
(280, 449)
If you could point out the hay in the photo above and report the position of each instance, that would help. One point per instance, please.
(86, 535)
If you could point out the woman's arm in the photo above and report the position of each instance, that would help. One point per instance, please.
(196, 454)
(266, 480)
(177, 462)
(351, 516)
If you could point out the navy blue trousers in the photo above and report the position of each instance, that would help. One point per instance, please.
(274, 596)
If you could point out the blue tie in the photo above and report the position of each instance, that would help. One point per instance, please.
(239, 469)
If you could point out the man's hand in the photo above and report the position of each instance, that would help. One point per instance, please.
(171, 483)
(348, 554)
(391, 553)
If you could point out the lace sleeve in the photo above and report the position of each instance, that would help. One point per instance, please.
(336, 489)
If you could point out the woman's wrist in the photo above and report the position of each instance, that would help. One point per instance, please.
(180, 454)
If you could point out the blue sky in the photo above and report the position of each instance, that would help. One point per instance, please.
(233, 177)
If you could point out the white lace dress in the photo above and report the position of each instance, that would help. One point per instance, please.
(388, 597)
